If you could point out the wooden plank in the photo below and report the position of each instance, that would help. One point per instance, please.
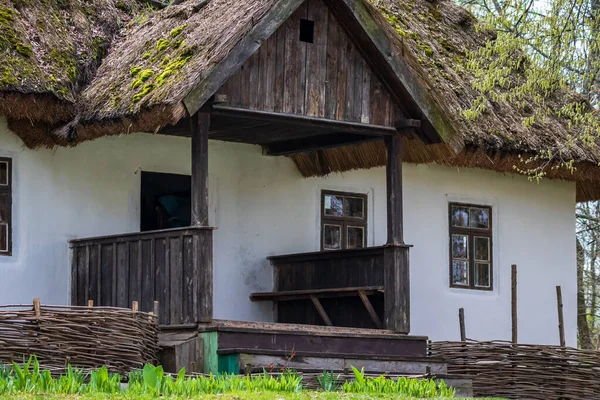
(260, 362)
(333, 52)
(122, 267)
(316, 143)
(148, 273)
(359, 66)
(321, 310)
(204, 249)
(370, 309)
(316, 59)
(254, 101)
(176, 279)
(106, 275)
(126, 237)
(161, 279)
(295, 64)
(342, 77)
(461, 324)
(561, 321)
(351, 56)
(199, 127)
(135, 273)
(95, 280)
(268, 72)
(74, 277)
(319, 293)
(82, 274)
(189, 297)
(365, 112)
(397, 289)
(279, 84)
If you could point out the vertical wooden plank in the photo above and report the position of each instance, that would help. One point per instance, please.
(122, 282)
(279, 84)
(253, 83)
(82, 274)
(100, 283)
(204, 250)
(379, 106)
(244, 73)
(263, 77)
(397, 288)
(333, 52)
(342, 77)
(515, 336)
(366, 94)
(199, 126)
(74, 277)
(161, 280)
(394, 190)
(94, 282)
(176, 278)
(135, 273)
(461, 324)
(189, 299)
(351, 57)
(148, 273)
(316, 59)
(114, 274)
(106, 275)
(359, 66)
(233, 92)
(295, 64)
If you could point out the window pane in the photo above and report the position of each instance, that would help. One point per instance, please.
(4, 207)
(3, 238)
(482, 275)
(460, 216)
(482, 249)
(334, 205)
(356, 237)
(332, 237)
(3, 173)
(460, 273)
(354, 207)
(480, 218)
(460, 246)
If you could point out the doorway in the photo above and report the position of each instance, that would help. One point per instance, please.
(165, 201)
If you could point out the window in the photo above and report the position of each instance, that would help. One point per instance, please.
(470, 246)
(343, 220)
(307, 31)
(165, 201)
(5, 206)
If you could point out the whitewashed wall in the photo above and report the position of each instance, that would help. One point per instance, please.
(263, 206)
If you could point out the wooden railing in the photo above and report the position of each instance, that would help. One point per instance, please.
(330, 270)
(173, 267)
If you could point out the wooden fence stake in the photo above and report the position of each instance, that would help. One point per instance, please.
(561, 322)
(156, 310)
(90, 303)
(514, 303)
(461, 322)
(134, 306)
(37, 308)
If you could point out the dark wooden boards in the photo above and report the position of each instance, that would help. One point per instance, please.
(333, 271)
(328, 78)
(319, 293)
(144, 267)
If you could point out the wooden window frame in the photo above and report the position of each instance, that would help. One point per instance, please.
(7, 189)
(346, 222)
(471, 233)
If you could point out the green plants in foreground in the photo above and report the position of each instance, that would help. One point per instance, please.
(153, 382)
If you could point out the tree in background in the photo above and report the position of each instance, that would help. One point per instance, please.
(549, 46)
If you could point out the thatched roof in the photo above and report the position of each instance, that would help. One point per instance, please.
(99, 67)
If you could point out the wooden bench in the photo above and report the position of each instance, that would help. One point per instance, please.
(315, 294)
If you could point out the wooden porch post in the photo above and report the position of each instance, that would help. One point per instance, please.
(199, 126)
(396, 266)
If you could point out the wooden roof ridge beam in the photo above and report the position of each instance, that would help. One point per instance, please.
(295, 119)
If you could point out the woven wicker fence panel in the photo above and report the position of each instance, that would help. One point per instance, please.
(503, 369)
(83, 337)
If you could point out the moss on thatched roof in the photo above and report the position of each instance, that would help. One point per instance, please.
(51, 49)
(103, 67)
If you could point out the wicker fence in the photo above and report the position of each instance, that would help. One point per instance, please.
(503, 369)
(84, 337)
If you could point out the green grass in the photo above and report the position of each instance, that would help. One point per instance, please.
(231, 396)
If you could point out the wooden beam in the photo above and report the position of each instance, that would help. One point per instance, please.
(514, 313)
(561, 320)
(394, 190)
(370, 309)
(396, 258)
(199, 127)
(276, 15)
(303, 120)
(315, 143)
(321, 310)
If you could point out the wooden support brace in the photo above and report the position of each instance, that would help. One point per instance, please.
(461, 323)
(321, 310)
(135, 306)
(561, 321)
(370, 309)
(37, 309)
(515, 338)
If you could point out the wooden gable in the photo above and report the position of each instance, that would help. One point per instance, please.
(327, 78)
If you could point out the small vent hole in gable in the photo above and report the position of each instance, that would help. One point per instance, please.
(307, 31)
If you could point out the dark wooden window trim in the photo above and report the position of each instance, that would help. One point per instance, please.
(471, 233)
(7, 190)
(344, 220)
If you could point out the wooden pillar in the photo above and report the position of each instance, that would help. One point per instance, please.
(396, 257)
(199, 126)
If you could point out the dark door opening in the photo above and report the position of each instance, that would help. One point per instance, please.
(165, 201)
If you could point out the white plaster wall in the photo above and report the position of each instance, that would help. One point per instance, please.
(262, 206)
